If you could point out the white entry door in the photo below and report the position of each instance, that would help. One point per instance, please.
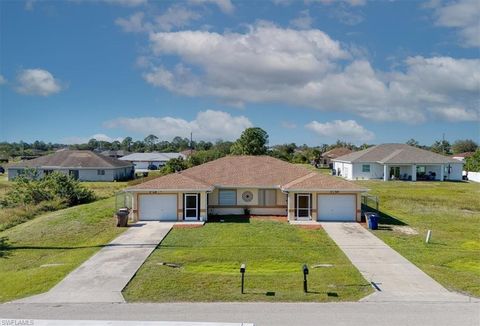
(336, 208)
(157, 207)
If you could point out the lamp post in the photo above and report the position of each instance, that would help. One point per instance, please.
(242, 271)
(305, 273)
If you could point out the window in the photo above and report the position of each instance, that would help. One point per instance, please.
(267, 197)
(227, 197)
(366, 168)
(47, 172)
(421, 169)
(100, 172)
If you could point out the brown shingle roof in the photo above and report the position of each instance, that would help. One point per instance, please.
(395, 154)
(336, 152)
(72, 158)
(244, 172)
(174, 181)
(316, 181)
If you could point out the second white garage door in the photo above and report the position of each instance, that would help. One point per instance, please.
(336, 208)
(157, 207)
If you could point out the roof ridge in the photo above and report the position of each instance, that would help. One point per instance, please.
(298, 180)
(195, 179)
(392, 155)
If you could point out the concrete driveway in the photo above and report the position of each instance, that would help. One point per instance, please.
(104, 275)
(393, 276)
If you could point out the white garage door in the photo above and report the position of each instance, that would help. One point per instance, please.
(336, 208)
(157, 207)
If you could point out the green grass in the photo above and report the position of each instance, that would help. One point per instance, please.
(452, 211)
(105, 189)
(274, 253)
(67, 237)
(326, 171)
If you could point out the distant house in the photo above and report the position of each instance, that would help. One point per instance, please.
(80, 164)
(115, 153)
(462, 156)
(397, 161)
(327, 157)
(143, 162)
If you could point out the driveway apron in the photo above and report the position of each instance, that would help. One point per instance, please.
(393, 277)
(102, 277)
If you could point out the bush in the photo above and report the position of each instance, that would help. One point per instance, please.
(55, 187)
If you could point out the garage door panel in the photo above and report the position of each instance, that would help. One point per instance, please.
(336, 207)
(157, 207)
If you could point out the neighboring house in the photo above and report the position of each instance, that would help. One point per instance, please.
(462, 156)
(80, 164)
(327, 157)
(259, 185)
(188, 152)
(144, 162)
(397, 161)
(115, 153)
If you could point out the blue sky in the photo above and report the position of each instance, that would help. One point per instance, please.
(305, 71)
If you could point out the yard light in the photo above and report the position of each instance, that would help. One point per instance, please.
(242, 271)
(305, 273)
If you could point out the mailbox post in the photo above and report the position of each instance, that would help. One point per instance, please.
(305, 273)
(242, 271)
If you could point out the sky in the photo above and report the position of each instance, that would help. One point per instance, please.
(308, 72)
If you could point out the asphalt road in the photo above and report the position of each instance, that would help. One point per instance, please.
(261, 314)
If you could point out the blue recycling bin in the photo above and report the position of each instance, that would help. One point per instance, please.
(372, 220)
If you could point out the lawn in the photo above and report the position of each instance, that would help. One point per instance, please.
(37, 254)
(326, 171)
(451, 210)
(274, 252)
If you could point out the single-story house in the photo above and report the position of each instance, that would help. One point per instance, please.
(238, 185)
(462, 156)
(397, 161)
(115, 153)
(327, 157)
(82, 165)
(144, 162)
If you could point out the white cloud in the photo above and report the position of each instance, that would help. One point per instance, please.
(308, 68)
(83, 140)
(303, 20)
(348, 130)
(463, 15)
(224, 5)
(3, 81)
(134, 23)
(208, 125)
(37, 82)
(455, 114)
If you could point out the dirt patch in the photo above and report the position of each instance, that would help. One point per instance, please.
(187, 226)
(277, 218)
(309, 226)
(404, 229)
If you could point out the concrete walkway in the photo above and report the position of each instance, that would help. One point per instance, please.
(104, 275)
(393, 276)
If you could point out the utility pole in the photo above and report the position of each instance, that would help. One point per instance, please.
(191, 143)
(443, 143)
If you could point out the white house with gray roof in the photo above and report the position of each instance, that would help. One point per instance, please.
(397, 162)
(144, 162)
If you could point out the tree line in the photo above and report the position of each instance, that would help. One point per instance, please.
(253, 141)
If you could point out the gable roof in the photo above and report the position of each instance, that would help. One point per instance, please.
(150, 157)
(247, 172)
(336, 152)
(395, 154)
(72, 159)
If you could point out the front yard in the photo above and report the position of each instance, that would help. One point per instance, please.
(209, 259)
(37, 254)
(451, 210)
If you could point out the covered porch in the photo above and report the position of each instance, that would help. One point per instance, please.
(415, 172)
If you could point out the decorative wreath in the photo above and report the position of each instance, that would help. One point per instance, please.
(247, 196)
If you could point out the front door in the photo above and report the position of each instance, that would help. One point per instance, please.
(191, 208)
(303, 205)
(395, 172)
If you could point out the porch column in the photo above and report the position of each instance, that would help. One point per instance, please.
(290, 206)
(414, 172)
(385, 172)
(442, 172)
